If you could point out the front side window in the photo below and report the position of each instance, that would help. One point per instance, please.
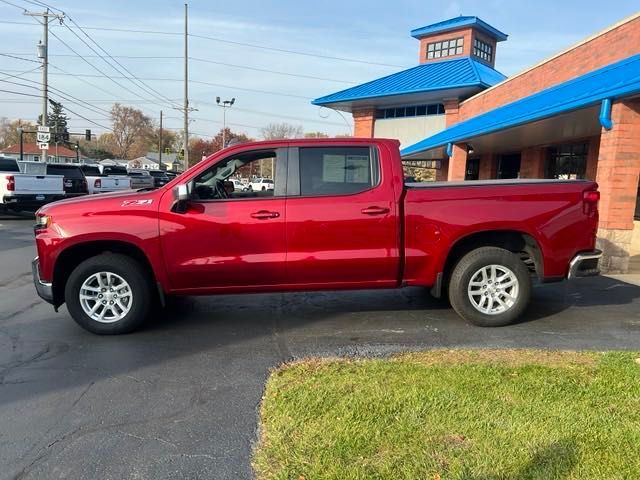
(445, 48)
(245, 175)
(337, 170)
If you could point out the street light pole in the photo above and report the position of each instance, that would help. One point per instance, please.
(185, 144)
(224, 104)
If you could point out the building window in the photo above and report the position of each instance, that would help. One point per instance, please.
(567, 162)
(445, 48)
(483, 50)
(413, 111)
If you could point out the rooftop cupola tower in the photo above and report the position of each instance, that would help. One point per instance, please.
(458, 37)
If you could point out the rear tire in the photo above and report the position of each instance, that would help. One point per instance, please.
(490, 287)
(109, 294)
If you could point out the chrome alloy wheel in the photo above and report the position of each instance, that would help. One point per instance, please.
(493, 289)
(106, 297)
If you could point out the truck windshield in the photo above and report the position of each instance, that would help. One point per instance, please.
(8, 165)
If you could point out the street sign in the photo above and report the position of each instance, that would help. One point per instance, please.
(43, 137)
(44, 128)
(43, 145)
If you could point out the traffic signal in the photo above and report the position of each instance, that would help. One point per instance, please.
(65, 136)
(87, 135)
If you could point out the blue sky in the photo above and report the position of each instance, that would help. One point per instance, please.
(374, 32)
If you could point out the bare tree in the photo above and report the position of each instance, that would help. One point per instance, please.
(274, 131)
(9, 134)
(130, 127)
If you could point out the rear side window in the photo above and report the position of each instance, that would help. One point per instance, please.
(8, 165)
(68, 172)
(91, 171)
(114, 170)
(336, 170)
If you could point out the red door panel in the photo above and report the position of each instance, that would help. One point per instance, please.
(230, 244)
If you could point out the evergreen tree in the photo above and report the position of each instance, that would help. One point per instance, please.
(57, 120)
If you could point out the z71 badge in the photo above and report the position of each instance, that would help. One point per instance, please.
(136, 203)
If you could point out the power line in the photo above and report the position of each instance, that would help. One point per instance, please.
(256, 69)
(142, 85)
(244, 44)
(96, 68)
(20, 93)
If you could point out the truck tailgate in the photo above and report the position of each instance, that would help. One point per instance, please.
(38, 184)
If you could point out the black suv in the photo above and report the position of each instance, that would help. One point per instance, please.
(160, 177)
(75, 184)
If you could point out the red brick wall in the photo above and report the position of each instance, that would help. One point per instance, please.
(465, 33)
(616, 44)
(619, 166)
(363, 123)
(451, 109)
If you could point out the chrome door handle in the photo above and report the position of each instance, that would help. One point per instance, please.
(375, 210)
(264, 214)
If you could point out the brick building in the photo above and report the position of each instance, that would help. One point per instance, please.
(32, 153)
(574, 115)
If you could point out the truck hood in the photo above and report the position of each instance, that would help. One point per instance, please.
(103, 201)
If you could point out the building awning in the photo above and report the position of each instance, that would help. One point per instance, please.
(615, 81)
(461, 77)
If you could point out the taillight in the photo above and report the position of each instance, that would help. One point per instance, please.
(592, 196)
(590, 200)
(85, 187)
(11, 183)
(97, 183)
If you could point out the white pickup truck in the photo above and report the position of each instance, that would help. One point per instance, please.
(99, 182)
(26, 192)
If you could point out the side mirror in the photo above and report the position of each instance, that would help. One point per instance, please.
(181, 192)
(181, 196)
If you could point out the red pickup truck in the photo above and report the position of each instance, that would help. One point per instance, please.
(340, 216)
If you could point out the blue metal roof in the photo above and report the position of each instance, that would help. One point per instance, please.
(449, 74)
(620, 79)
(455, 24)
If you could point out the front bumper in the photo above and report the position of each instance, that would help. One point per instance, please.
(45, 290)
(585, 264)
(29, 202)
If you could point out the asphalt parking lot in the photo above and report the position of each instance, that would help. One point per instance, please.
(179, 399)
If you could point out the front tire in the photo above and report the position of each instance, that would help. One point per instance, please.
(490, 287)
(109, 294)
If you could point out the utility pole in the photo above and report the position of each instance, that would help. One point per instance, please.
(160, 143)
(224, 104)
(185, 144)
(44, 55)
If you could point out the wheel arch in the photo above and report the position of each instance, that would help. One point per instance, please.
(75, 254)
(515, 241)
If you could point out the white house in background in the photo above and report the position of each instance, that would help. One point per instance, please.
(151, 161)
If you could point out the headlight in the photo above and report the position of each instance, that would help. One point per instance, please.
(42, 221)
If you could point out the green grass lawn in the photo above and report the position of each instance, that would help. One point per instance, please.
(498, 414)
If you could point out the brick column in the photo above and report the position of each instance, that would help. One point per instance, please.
(488, 167)
(618, 169)
(458, 162)
(532, 162)
(451, 110)
(364, 122)
(593, 150)
(443, 172)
